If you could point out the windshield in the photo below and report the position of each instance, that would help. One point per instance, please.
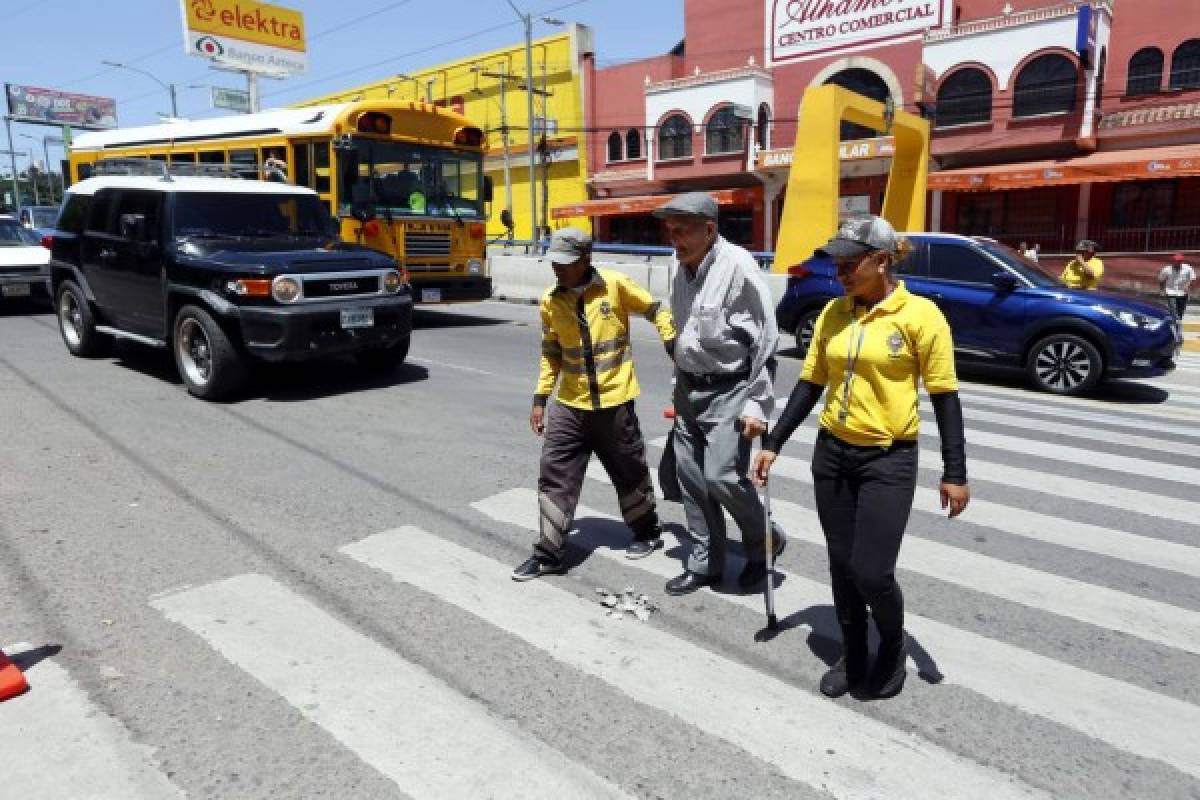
(236, 215)
(44, 217)
(12, 234)
(1029, 270)
(412, 180)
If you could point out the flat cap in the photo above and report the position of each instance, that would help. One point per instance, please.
(568, 245)
(858, 236)
(689, 204)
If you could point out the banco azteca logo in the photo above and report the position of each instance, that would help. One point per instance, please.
(203, 9)
(209, 46)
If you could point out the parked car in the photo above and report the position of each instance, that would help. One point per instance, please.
(224, 272)
(24, 263)
(1006, 311)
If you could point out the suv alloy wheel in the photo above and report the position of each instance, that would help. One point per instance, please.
(77, 323)
(805, 327)
(1064, 363)
(208, 362)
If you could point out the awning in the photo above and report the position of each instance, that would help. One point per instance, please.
(1117, 165)
(644, 204)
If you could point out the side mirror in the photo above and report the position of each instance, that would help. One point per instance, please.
(487, 188)
(361, 207)
(1004, 281)
(133, 227)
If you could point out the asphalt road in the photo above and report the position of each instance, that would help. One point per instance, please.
(305, 594)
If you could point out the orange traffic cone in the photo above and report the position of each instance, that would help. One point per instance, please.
(12, 682)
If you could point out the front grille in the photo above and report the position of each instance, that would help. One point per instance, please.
(428, 267)
(341, 287)
(421, 245)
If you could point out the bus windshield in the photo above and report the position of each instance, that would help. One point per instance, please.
(252, 215)
(410, 179)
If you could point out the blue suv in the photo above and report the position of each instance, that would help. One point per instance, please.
(1005, 311)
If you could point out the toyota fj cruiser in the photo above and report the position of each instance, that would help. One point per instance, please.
(222, 271)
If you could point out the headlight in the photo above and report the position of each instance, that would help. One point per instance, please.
(474, 266)
(392, 282)
(1135, 320)
(285, 289)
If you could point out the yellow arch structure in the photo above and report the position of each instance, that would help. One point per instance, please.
(810, 210)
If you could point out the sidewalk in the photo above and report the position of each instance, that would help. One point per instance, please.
(1191, 331)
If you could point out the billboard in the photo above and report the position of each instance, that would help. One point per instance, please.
(802, 29)
(231, 99)
(52, 107)
(245, 35)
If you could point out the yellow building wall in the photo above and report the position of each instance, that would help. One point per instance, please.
(474, 81)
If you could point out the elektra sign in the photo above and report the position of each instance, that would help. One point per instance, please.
(801, 29)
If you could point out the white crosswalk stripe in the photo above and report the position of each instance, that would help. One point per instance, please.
(1124, 715)
(80, 752)
(432, 741)
(784, 726)
(1163, 411)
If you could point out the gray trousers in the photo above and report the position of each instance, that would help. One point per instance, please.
(712, 461)
(572, 436)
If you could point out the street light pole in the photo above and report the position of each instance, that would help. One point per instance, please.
(33, 172)
(527, 20)
(12, 155)
(170, 87)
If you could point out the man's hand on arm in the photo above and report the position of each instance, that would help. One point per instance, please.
(537, 415)
(752, 428)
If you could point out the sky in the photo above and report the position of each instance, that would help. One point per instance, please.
(61, 44)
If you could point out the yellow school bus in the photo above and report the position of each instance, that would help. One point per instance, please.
(402, 177)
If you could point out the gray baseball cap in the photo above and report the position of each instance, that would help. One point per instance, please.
(858, 236)
(689, 204)
(568, 245)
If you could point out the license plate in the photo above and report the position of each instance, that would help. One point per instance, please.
(358, 318)
(431, 295)
(16, 290)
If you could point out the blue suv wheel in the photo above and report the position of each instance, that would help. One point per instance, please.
(1064, 363)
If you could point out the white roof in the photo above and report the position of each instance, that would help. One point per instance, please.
(186, 183)
(312, 120)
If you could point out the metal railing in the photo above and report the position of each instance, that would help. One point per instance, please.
(1147, 240)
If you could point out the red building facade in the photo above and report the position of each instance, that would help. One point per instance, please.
(1054, 120)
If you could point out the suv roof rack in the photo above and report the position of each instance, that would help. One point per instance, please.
(163, 169)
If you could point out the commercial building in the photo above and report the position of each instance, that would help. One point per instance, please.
(491, 89)
(1054, 120)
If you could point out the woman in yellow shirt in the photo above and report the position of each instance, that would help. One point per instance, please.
(1085, 270)
(869, 350)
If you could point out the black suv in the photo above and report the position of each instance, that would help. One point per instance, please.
(222, 271)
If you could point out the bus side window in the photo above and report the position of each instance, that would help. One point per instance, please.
(85, 171)
(183, 158)
(212, 157)
(300, 168)
(245, 162)
(321, 167)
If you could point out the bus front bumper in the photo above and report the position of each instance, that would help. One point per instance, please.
(465, 289)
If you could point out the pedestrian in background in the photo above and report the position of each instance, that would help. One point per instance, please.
(724, 359)
(587, 351)
(1175, 280)
(1085, 270)
(1031, 251)
(869, 350)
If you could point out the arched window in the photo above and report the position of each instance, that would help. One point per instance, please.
(633, 143)
(1185, 65)
(1046, 85)
(763, 136)
(1145, 72)
(865, 82)
(964, 97)
(724, 133)
(675, 137)
(614, 147)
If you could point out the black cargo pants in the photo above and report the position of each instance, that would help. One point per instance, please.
(572, 436)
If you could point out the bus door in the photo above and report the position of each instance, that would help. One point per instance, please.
(310, 166)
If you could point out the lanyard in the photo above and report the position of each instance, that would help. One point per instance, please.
(852, 353)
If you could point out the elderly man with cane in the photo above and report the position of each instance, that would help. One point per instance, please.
(724, 359)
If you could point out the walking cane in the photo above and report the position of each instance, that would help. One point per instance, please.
(769, 544)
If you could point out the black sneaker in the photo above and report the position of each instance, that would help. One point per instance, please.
(890, 670)
(640, 548)
(536, 567)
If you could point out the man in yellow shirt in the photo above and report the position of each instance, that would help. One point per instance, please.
(1085, 270)
(587, 350)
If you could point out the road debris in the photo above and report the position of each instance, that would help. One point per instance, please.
(629, 601)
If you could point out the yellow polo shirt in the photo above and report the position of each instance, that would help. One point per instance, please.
(901, 339)
(1074, 276)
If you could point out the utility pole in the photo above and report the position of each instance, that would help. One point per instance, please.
(12, 155)
(527, 21)
(503, 78)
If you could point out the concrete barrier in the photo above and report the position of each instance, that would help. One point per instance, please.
(523, 279)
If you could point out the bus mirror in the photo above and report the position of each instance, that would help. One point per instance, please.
(361, 207)
(487, 188)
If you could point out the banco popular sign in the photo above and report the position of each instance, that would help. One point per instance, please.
(244, 34)
(801, 29)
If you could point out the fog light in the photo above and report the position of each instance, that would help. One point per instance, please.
(474, 266)
(1142, 362)
(285, 289)
(392, 281)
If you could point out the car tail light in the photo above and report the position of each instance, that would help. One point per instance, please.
(48, 241)
(799, 271)
(476, 230)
